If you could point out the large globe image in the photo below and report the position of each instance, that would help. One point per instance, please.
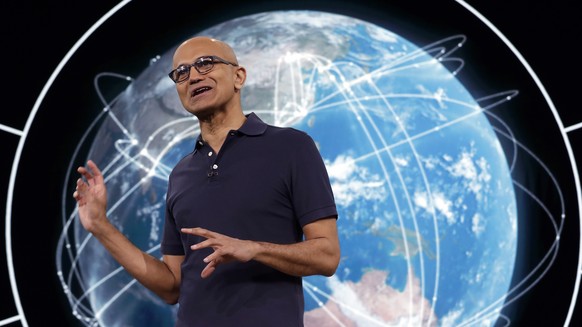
(427, 211)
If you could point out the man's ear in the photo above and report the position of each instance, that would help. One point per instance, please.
(240, 78)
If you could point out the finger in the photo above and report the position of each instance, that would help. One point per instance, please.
(196, 231)
(81, 186)
(188, 230)
(80, 190)
(202, 245)
(200, 232)
(84, 172)
(79, 198)
(208, 270)
(213, 258)
(96, 171)
(88, 176)
(97, 175)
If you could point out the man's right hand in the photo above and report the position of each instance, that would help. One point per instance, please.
(91, 196)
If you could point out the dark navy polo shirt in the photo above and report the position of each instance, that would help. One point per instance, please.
(264, 185)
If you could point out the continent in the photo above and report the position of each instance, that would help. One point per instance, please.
(370, 302)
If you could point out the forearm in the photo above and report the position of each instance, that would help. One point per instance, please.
(319, 256)
(151, 272)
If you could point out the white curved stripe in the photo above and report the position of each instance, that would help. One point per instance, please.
(564, 136)
(18, 153)
(10, 130)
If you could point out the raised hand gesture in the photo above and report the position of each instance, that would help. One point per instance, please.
(91, 196)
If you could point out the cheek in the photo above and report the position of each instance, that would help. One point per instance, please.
(182, 91)
(181, 88)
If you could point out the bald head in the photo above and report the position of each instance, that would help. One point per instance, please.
(214, 90)
(202, 46)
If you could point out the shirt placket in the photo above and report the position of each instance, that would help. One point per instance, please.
(214, 159)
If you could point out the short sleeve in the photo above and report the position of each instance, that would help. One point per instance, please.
(312, 194)
(171, 243)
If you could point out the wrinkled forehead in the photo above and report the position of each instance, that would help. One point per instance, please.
(192, 49)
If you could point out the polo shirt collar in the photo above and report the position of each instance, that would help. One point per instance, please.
(253, 126)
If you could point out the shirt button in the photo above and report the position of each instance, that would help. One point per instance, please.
(215, 166)
(232, 133)
(210, 154)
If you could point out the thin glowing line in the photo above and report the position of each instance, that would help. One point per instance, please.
(573, 127)
(18, 153)
(10, 130)
(564, 136)
(9, 320)
(565, 130)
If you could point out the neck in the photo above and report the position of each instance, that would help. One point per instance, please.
(215, 127)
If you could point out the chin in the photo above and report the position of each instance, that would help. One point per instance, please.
(201, 112)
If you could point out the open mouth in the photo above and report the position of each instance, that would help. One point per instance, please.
(200, 90)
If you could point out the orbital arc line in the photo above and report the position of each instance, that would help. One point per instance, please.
(20, 147)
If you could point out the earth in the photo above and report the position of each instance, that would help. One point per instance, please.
(427, 211)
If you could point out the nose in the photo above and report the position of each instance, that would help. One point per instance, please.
(194, 76)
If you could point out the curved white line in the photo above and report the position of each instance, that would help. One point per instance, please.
(18, 153)
(564, 136)
(573, 127)
(10, 130)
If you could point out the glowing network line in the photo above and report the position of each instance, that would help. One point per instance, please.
(490, 311)
(344, 88)
(130, 153)
(79, 309)
(65, 245)
(360, 108)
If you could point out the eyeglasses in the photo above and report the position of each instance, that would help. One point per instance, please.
(202, 65)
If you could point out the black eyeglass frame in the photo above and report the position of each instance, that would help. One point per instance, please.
(197, 64)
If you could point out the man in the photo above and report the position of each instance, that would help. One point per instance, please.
(248, 212)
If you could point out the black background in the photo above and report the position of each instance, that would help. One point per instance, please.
(36, 36)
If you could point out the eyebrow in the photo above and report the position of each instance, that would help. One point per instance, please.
(189, 62)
